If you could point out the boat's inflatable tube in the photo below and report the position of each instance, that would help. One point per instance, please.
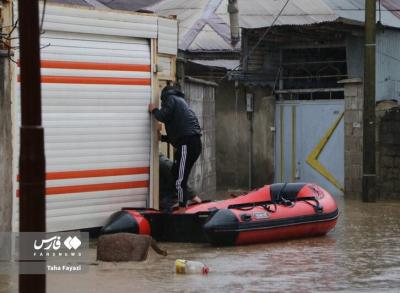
(274, 212)
(130, 221)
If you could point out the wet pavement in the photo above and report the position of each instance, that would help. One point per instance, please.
(361, 254)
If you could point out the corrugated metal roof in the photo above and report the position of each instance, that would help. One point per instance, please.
(71, 2)
(195, 17)
(355, 10)
(204, 24)
(130, 5)
(223, 63)
(97, 4)
(200, 27)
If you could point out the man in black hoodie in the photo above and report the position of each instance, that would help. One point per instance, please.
(183, 132)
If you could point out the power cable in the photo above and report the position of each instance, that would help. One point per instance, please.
(43, 14)
(387, 55)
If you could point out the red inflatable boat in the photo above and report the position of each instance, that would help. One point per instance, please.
(274, 212)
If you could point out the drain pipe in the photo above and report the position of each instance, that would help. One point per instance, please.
(233, 11)
(250, 110)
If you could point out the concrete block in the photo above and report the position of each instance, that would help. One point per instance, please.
(359, 117)
(347, 154)
(353, 129)
(394, 173)
(387, 162)
(396, 138)
(348, 191)
(357, 132)
(387, 138)
(356, 104)
(387, 150)
(386, 127)
(355, 171)
(353, 195)
(125, 247)
(360, 103)
(396, 126)
(386, 174)
(350, 91)
(350, 141)
(351, 116)
(397, 187)
(360, 92)
(353, 162)
(387, 186)
(392, 115)
(348, 129)
(347, 146)
(347, 169)
(383, 173)
(358, 145)
(356, 185)
(396, 163)
(347, 182)
(348, 116)
(356, 158)
(358, 195)
(348, 101)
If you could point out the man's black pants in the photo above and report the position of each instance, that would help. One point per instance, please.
(186, 155)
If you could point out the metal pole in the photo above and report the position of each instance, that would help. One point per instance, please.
(250, 116)
(236, 135)
(32, 160)
(369, 172)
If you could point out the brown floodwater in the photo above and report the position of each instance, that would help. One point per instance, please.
(361, 254)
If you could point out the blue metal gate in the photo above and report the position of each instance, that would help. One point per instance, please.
(310, 143)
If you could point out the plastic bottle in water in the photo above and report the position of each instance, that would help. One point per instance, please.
(190, 267)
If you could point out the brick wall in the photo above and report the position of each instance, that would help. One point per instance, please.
(387, 144)
(353, 140)
(389, 154)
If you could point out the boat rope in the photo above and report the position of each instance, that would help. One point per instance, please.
(267, 204)
(317, 207)
(268, 208)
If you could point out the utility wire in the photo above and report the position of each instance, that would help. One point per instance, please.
(387, 55)
(260, 39)
(361, 9)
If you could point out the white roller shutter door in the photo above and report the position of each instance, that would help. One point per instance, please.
(95, 92)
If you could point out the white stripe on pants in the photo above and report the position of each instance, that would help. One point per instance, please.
(181, 173)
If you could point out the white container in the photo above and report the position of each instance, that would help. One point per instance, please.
(190, 267)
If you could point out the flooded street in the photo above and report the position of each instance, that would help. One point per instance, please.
(361, 254)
